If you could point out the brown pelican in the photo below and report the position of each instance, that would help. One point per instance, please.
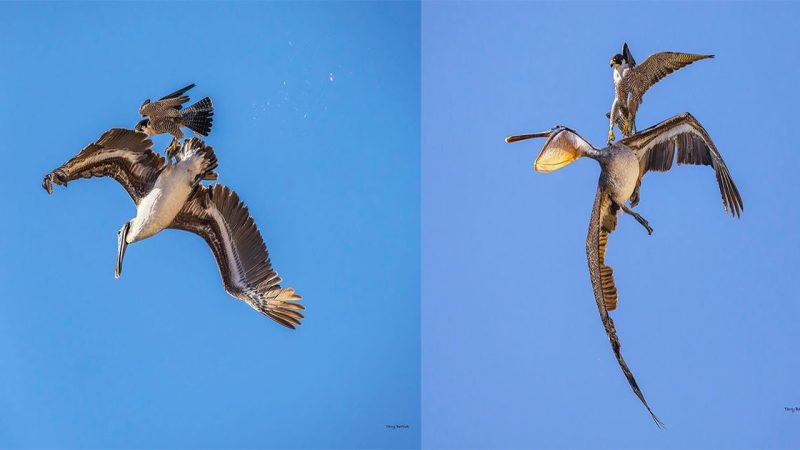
(166, 116)
(623, 165)
(171, 196)
(632, 81)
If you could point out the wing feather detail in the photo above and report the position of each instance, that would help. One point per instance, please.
(162, 106)
(657, 66)
(121, 154)
(173, 100)
(682, 135)
(218, 216)
(626, 52)
(179, 92)
(602, 223)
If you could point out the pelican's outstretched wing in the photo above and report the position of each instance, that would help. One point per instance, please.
(217, 215)
(656, 147)
(603, 223)
(657, 66)
(121, 154)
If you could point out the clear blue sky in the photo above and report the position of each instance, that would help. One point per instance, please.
(316, 127)
(514, 353)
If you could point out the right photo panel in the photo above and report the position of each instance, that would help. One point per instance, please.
(609, 225)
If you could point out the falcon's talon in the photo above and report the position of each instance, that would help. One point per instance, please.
(611, 136)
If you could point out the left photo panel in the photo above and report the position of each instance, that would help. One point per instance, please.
(211, 234)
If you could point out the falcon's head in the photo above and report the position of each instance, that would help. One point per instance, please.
(143, 126)
(624, 59)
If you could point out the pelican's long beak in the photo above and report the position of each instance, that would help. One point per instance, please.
(122, 245)
(522, 137)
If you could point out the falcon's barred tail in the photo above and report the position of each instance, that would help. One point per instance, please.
(199, 116)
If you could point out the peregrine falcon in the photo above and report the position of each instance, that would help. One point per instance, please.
(166, 116)
(632, 81)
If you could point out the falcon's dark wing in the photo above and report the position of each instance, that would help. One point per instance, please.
(682, 134)
(603, 223)
(168, 106)
(223, 221)
(626, 53)
(178, 93)
(640, 78)
(172, 101)
(121, 154)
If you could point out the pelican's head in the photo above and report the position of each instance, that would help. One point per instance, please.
(57, 176)
(122, 245)
(563, 146)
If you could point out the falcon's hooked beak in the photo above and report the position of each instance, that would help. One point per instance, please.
(616, 60)
(122, 245)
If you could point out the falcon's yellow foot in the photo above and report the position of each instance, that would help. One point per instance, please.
(626, 128)
(173, 147)
(610, 136)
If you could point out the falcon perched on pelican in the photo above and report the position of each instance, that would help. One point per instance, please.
(632, 81)
(622, 166)
(166, 116)
(171, 196)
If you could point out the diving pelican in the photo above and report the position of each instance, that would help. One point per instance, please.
(632, 81)
(622, 166)
(166, 116)
(171, 196)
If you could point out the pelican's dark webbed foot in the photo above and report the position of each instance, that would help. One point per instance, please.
(638, 218)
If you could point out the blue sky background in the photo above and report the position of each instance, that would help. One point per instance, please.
(316, 127)
(514, 353)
